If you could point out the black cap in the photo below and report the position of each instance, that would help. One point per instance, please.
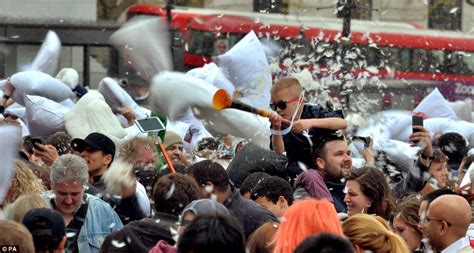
(44, 222)
(96, 141)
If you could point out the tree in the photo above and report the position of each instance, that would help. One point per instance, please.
(112, 9)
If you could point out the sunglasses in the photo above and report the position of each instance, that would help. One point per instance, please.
(282, 104)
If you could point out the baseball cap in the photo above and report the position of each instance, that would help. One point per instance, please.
(203, 207)
(43, 222)
(96, 141)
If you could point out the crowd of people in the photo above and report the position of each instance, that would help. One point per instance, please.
(302, 194)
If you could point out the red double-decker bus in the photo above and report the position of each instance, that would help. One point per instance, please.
(417, 59)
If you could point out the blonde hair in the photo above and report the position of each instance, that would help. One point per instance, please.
(14, 233)
(129, 150)
(261, 241)
(17, 210)
(286, 82)
(305, 218)
(370, 232)
(24, 182)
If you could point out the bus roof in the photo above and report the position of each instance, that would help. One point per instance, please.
(363, 31)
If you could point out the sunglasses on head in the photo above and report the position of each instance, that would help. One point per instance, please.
(282, 104)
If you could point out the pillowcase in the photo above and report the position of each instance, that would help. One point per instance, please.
(145, 42)
(44, 116)
(174, 93)
(213, 75)
(435, 106)
(92, 114)
(40, 84)
(117, 98)
(47, 58)
(246, 66)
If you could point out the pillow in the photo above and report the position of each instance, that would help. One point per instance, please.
(17, 110)
(68, 76)
(39, 84)
(9, 143)
(167, 96)
(92, 114)
(387, 124)
(246, 66)
(213, 75)
(47, 58)
(44, 117)
(435, 106)
(117, 98)
(463, 109)
(146, 44)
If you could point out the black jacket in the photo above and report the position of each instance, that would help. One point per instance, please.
(252, 158)
(142, 235)
(337, 192)
(128, 209)
(250, 214)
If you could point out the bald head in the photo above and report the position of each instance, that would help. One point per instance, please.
(453, 209)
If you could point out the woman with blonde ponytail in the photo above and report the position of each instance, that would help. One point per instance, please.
(370, 232)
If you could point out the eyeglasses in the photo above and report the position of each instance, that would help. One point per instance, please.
(282, 104)
(425, 218)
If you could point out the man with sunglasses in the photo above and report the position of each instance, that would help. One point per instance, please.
(446, 222)
(310, 122)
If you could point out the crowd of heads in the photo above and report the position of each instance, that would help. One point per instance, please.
(234, 196)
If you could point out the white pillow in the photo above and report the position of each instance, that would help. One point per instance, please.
(40, 84)
(213, 75)
(47, 58)
(246, 66)
(117, 98)
(463, 109)
(435, 106)
(147, 44)
(44, 116)
(167, 96)
(68, 76)
(92, 114)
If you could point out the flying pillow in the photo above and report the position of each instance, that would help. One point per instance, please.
(213, 75)
(246, 66)
(47, 58)
(92, 114)
(117, 98)
(435, 106)
(44, 116)
(167, 96)
(40, 84)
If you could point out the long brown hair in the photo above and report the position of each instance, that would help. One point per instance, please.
(374, 186)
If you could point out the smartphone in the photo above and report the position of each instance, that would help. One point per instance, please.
(416, 121)
(152, 124)
(366, 140)
(34, 141)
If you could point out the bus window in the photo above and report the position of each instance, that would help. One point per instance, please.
(435, 61)
(374, 56)
(405, 59)
(460, 63)
(420, 60)
(201, 43)
(392, 57)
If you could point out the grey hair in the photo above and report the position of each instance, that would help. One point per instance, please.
(69, 168)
